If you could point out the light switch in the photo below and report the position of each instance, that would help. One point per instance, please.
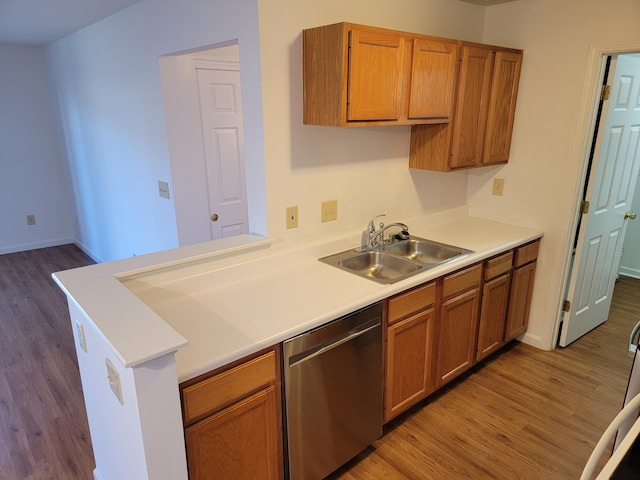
(114, 380)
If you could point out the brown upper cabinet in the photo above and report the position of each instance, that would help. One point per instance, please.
(479, 133)
(356, 75)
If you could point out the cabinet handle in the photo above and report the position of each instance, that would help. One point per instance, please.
(214, 217)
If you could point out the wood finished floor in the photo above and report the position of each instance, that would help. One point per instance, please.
(525, 414)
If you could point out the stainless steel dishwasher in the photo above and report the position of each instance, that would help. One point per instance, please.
(333, 393)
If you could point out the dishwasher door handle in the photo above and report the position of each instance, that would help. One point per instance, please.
(325, 347)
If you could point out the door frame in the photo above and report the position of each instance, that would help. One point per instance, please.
(587, 121)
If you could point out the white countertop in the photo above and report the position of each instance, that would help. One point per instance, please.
(219, 301)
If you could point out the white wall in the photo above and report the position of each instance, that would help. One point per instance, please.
(365, 169)
(32, 177)
(109, 91)
(543, 174)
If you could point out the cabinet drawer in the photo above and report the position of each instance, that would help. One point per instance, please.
(461, 281)
(411, 302)
(526, 253)
(218, 391)
(496, 266)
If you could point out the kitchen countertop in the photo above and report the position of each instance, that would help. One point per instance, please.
(219, 301)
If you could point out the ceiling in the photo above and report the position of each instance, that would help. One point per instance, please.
(39, 22)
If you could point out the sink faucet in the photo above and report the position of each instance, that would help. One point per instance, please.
(377, 240)
(375, 237)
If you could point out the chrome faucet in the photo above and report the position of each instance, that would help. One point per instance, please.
(375, 237)
(377, 240)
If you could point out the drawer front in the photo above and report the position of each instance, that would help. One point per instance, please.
(218, 391)
(526, 253)
(494, 267)
(462, 281)
(411, 302)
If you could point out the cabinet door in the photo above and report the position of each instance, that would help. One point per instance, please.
(471, 107)
(502, 107)
(434, 67)
(457, 335)
(410, 362)
(376, 63)
(520, 301)
(493, 315)
(242, 441)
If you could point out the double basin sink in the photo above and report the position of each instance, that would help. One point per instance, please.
(395, 261)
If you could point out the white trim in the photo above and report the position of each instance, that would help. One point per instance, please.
(217, 64)
(630, 272)
(582, 145)
(33, 246)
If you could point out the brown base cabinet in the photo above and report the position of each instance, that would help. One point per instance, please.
(232, 417)
(521, 289)
(410, 349)
(439, 330)
(458, 323)
(495, 301)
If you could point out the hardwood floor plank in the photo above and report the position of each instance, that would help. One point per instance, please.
(43, 426)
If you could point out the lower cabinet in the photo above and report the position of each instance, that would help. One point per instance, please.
(521, 289)
(495, 300)
(458, 323)
(436, 331)
(232, 418)
(410, 349)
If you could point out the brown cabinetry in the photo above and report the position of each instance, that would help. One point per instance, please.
(232, 420)
(521, 289)
(458, 322)
(495, 300)
(410, 349)
(479, 133)
(360, 75)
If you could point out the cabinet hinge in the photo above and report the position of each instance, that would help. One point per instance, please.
(605, 93)
(584, 207)
(566, 306)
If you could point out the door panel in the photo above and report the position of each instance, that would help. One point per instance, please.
(610, 192)
(375, 76)
(221, 112)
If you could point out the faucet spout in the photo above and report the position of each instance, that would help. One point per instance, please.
(377, 238)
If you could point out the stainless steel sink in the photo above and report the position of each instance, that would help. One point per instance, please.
(427, 252)
(396, 261)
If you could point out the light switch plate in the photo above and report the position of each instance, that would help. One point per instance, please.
(114, 380)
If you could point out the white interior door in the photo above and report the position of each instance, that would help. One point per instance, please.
(221, 112)
(609, 192)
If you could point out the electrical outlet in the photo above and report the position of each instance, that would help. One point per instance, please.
(114, 380)
(498, 186)
(163, 189)
(80, 335)
(329, 211)
(31, 219)
(292, 217)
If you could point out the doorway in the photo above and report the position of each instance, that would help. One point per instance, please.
(609, 182)
(223, 140)
(195, 181)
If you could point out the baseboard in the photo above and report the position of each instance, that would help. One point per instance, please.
(629, 272)
(33, 246)
(83, 247)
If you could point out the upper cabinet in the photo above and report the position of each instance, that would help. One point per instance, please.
(356, 75)
(479, 133)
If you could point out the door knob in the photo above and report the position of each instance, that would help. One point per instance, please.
(214, 217)
(630, 215)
